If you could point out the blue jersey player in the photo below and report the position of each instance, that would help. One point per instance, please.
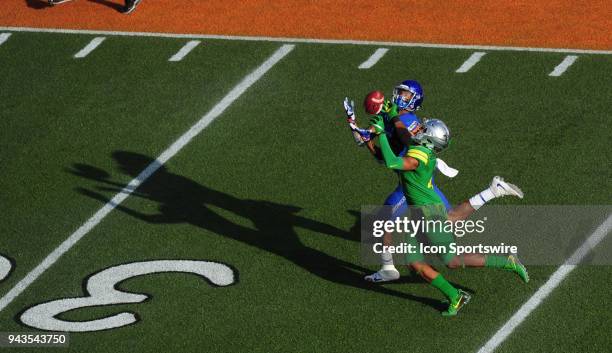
(401, 124)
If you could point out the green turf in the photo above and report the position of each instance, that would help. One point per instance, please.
(272, 188)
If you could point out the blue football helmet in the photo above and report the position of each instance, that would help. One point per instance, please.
(413, 103)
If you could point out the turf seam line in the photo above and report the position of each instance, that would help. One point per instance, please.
(170, 152)
(471, 61)
(4, 37)
(374, 58)
(544, 291)
(186, 49)
(563, 66)
(305, 40)
(91, 46)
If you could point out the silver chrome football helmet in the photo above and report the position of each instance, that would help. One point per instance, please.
(435, 135)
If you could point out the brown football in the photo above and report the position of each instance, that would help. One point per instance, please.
(373, 102)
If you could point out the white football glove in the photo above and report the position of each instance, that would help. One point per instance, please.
(349, 108)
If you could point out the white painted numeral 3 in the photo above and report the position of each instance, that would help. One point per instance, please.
(5, 267)
(101, 290)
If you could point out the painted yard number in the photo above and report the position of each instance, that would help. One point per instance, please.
(5, 267)
(101, 291)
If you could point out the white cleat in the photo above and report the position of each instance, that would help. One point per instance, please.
(383, 276)
(501, 188)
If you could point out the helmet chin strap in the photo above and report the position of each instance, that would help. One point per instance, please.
(410, 104)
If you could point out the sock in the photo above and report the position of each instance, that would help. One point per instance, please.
(387, 261)
(481, 198)
(442, 284)
(496, 261)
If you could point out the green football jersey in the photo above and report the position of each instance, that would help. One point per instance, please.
(417, 184)
(419, 191)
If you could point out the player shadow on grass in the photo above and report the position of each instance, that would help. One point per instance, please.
(182, 200)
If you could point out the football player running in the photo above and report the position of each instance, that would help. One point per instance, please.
(416, 169)
(400, 125)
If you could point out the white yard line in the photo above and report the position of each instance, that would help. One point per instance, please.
(568, 266)
(182, 141)
(560, 69)
(4, 37)
(303, 40)
(186, 49)
(89, 47)
(372, 60)
(470, 62)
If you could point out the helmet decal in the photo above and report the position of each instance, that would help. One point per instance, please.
(435, 136)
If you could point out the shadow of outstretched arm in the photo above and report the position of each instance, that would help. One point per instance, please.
(158, 218)
(319, 227)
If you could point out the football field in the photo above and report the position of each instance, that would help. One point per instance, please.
(238, 164)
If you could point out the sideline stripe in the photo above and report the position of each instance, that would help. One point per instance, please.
(470, 62)
(568, 266)
(372, 60)
(560, 69)
(304, 40)
(185, 50)
(181, 142)
(89, 47)
(4, 37)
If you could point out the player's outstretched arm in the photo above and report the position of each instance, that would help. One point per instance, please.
(374, 150)
(361, 136)
(402, 132)
(394, 162)
(391, 160)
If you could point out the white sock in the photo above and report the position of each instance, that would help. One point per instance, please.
(481, 198)
(387, 261)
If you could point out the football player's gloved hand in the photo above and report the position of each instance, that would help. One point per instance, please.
(365, 134)
(378, 123)
(391, 109)
(349, 108)
(361, 136)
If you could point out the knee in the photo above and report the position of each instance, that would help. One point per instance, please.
(417, 267)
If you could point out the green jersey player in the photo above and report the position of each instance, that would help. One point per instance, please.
(416, 169)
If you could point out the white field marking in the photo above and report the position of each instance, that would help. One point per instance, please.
(101, 291)
(4, 37)
(568, 266)
(182, 141)
(89, 47)
(185, 50)
(560, 69)
(5, 267)
(470, 62)
(372, 60)
(304, 40)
